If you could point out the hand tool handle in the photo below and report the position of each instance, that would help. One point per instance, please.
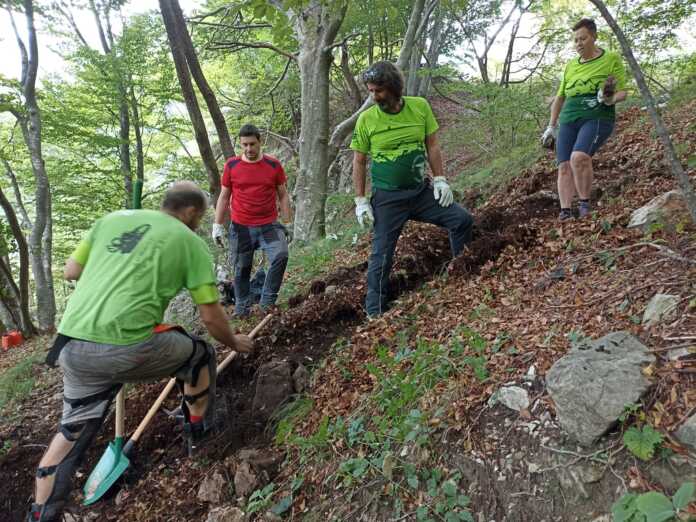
(120, 411)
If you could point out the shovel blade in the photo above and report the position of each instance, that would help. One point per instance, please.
(110, 467)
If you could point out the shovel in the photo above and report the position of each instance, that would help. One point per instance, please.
(115, 460)
(112, 462)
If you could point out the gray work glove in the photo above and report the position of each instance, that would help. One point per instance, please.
(363, 211)
(442, 191)
(549, 137)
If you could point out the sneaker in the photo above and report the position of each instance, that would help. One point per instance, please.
(584, 209)
(565, 215)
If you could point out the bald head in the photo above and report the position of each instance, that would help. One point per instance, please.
(182, 195)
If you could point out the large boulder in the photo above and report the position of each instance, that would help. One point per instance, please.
(668, 209)
(274, 386)
(593, 384)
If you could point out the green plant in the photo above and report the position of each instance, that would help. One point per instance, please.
(652, 506)
(18, 381)
(642, 442)
(260, 499)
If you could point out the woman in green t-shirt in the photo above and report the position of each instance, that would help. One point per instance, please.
(584, 106)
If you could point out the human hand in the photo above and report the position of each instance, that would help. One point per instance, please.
(243, 344)
(363, 211)
(219, 234)
(549, 137)
(288, 231)
(442, 191)
(607, 93)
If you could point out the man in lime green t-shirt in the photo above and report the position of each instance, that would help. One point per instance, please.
(399, 134)
(128, 268)
(590, 87)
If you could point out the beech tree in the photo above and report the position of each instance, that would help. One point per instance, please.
(24, 107)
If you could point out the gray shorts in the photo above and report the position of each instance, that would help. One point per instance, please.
(94, 369)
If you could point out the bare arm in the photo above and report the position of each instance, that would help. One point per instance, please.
(556, 107)
(222, 204)
(72, 270)
(432, 144)
(284, 201)
(359, 172)
(215, 320)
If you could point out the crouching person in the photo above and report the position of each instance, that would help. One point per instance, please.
(128, 268)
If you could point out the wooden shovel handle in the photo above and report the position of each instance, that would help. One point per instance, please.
(168, 388)
(120, 412)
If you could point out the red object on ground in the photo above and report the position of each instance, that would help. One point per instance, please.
(12, 338)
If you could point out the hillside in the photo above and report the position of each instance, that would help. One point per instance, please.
(396, 422)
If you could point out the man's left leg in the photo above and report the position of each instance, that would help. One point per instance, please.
(454, 218)
(275, 246)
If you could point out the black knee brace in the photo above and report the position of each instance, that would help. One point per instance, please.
(81, 434)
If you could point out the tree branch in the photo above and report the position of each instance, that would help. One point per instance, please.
(234, 46)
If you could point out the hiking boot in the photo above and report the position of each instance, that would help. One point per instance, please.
(583, 209)
(565, 215)
(195, 435)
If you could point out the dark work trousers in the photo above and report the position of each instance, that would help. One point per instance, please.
(392, 208)
(244, 240)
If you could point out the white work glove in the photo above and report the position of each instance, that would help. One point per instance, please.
(606, 100)
(549, 136)
(288, 231)
(363, 211)
(442, 191)
(219, 234)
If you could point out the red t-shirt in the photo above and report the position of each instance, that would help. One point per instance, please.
(254, 189)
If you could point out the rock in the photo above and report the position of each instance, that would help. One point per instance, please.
(212, 488)
(226, 514)
(331, 289)
(262, 460)
(245, 480)
(669, 209)
(687, 433)
(513, 397)
(672, 472)
(593, 383)
(603, 518)
(271, 517)
(182, 310)
(661, 307)
(274, 384)
(300, 379)
(69, 517)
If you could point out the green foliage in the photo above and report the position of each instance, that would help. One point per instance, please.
(642, 442)
(652, 506)
(260, 499)
(18, 381)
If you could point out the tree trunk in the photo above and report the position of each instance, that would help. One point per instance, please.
(316, 28)
(182, 72)
(676, 166)
(19, 294)
(201, 82)
(433, 53)
(410, 37)
(41, 233)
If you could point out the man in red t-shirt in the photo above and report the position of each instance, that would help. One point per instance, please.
(253, 186)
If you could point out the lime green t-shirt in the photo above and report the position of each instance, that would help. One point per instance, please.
(134, 262)
(582, 80)
(396, 143)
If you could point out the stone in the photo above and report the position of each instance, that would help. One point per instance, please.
(262, 460)
(661, 307)
(226, 514)
(513, 397)
(274, 385)
(271, 517)
(245, 480)
(212, 488)
(594, 382)
(69, 517)
(686, 434)
(672, 472)
(331, 289)
(300, 379)
(668, 208)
